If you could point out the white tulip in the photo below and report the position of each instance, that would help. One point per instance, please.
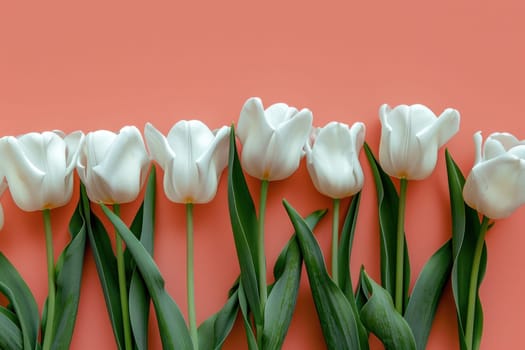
(496, 185)
(193, 158)
(39, 168)
(272, 139)
(113, 167)
(411, 137)
(332, 159)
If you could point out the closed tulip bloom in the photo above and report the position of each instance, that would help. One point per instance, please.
(496, 185)
(193, 158)
(332, 159)
(272, 139)
(113, 167)
(411, 137)
(39, 168)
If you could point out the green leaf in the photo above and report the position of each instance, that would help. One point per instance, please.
(426, 294)
(10, 333)
(345, 251)
(172, 327)
(68, 280)
(465, 230)
(106, 263)
(139, 299)
(22, 302)
(380, 316)
(213, 331)
(245, 313)
(244, 227)
(388, 206)
(335, 314)
(283, 296)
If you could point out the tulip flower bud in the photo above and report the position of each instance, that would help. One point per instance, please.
(332, 158)
(496, 185)
(272, 139)
(192, 157)
(39, 168)
(113, 167)
(410, 138)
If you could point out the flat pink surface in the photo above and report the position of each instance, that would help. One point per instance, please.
(102, 65)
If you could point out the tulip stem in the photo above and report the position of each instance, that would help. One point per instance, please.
(260, 255)
(474, 280)
(50, 281)
(400, 249)
(192, 319)
(122, 284)
(335, 241)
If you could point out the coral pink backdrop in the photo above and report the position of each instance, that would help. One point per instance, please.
(102, 65)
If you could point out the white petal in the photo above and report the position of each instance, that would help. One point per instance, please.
(279, 113)
(24, 179)
(158, 146)
(285, 149)
(496, 187)
(122, 171)
(74, 143)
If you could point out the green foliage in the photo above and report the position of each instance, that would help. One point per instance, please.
(465, 230)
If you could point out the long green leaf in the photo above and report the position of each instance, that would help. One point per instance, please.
(244, 227)
(465, 229)
(172, 327)
(345, 251)
(245, 313)
(22, 302)
(388, 205)
(213, 331)
(106, 267)
(139, 299)
(380, 316)
(426, 294)
(10, 333)
(68, 280)
(333, 309)
(283, 296)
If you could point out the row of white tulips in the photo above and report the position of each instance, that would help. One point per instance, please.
(39, 166)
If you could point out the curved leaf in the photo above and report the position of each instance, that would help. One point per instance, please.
(333, 309)
(68, 280)
(243, 304)
(426, 294)
(283, 296)
(10, 333)
(345, 251)
(244, 227)
(465, 230)
(106, 263)
(172, 327)
(380, 316)
(22, 302)
(213, 331)
(139, 300)
(388, 205)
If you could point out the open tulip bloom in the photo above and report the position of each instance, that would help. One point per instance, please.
(494, 188)
(272, 148)
(193, 158)
(332, 158)
(39, 168)
(410, 139)
(113, 167)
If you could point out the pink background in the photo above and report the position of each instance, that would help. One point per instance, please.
(102, 65)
